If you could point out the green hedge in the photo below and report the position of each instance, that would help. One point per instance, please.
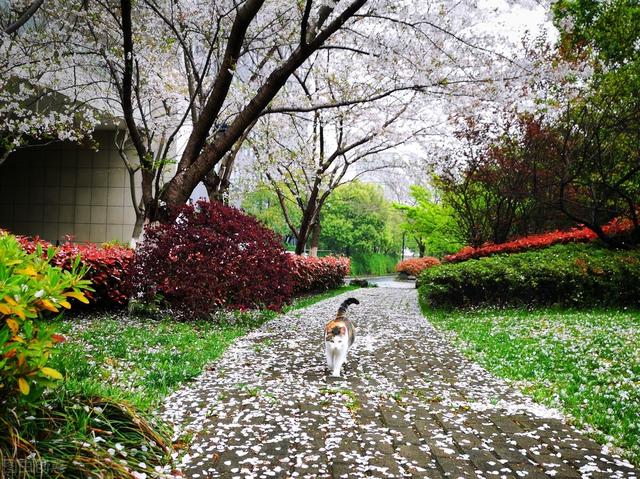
(575, 274)
(372, 263)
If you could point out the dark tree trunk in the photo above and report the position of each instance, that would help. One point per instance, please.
(199, 159)
(315, 239)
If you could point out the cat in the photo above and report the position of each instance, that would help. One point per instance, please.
(339, 335)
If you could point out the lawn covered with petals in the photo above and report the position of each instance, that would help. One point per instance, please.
(141, 361)
(587, 363)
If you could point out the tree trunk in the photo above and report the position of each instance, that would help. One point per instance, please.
(302, 241)
(198, 158)
(310, 216)
(315, 239)
(137, 230)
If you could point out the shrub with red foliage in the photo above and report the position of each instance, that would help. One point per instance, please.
(312, 275)
(544, 240)
(414, 266)
(108, 267)
(210, 257)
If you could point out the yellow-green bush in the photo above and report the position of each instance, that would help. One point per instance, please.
(30, 291)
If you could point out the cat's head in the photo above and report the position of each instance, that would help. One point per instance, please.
(336, 332)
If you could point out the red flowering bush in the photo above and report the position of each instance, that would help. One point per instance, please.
(211, 256)
(544, 240)
(415, 266)
(107, 267)
(312, 275)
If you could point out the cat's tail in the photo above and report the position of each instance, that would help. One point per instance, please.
(345, 304)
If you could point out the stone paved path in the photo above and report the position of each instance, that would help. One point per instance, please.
(409, 406)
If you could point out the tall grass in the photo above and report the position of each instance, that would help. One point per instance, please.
(372, 264)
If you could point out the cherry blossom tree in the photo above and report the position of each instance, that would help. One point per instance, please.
(206, 74)
(40, 100)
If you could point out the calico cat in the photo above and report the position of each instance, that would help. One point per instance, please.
(338, 338)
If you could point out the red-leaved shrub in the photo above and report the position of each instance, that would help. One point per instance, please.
(414, 266)
(312, 275)
(212, 256)
(108, 267)
(544, 240)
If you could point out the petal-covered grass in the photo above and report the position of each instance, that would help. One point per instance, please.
(584, 362)
(141, 361)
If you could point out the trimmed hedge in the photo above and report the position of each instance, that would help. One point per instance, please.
(314, 275)
(572, 275)
(415, 266)
(615, 227)
(107, 267)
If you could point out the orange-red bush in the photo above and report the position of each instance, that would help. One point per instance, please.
(318, 274)
(544, 240)
(414, 266)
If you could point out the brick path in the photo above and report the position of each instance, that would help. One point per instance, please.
(408, 406)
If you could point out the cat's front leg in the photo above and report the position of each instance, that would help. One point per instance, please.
(341, 356)
(329, 355)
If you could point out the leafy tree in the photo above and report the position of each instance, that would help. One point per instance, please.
(430, 223)
(263, 204)
(599, 132)
(610, 29)
(357, 218)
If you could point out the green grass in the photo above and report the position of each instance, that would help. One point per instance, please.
(138, 361)
(587, 363)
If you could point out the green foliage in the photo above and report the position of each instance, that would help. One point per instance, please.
(606, 118)
(611, 28)
(357, 218)
(431, 224)
(575, 274)
(584, 362)
(262, 203)
(30, 290)
(372, 264)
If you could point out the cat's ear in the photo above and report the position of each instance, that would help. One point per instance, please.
(343, 330)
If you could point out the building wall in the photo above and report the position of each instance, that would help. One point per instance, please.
(63, 189)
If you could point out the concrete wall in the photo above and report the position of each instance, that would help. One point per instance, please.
(63, 189)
